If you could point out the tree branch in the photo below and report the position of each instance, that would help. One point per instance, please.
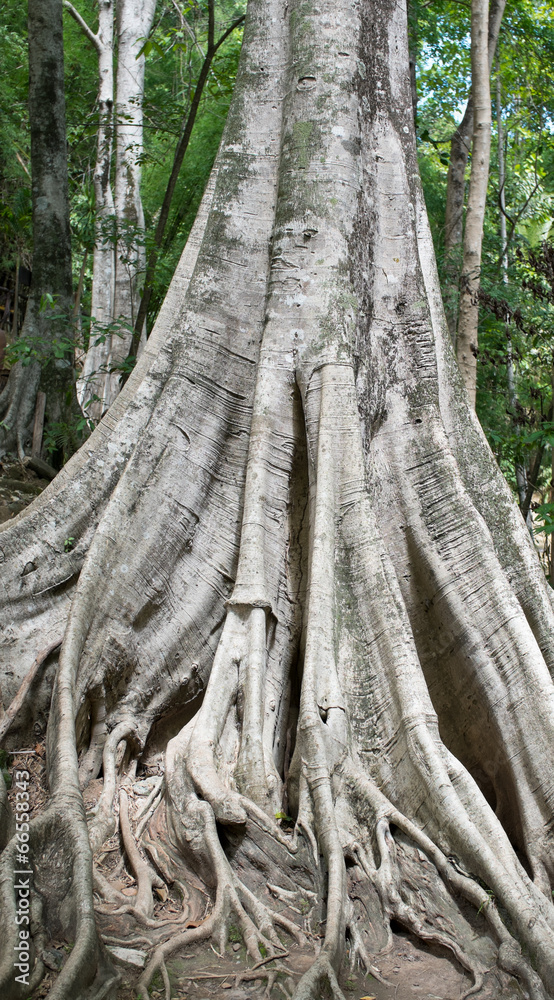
(211, 24)
(83, 25)
(228, 32)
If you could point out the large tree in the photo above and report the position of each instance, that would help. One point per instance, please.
(287, 558)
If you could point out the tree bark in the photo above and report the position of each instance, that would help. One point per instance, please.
(297, 578)
(520, 471)
(134, 22)
(91, 382)
(470, 278)
(460, 146)
(49, 308)
(118, 266)
(412, 49)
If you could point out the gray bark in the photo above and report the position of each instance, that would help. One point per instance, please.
(134, 21)
(460, 146)
(470, 278)
(297, 572)
(90, 384)
(521, 475)
(180, 151)
(117, 270)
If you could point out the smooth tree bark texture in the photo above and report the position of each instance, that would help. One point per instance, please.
(520, 470)
(103, 267)
(296, 578)
(134, 22)
(48, 318)
(119, 256)
(460, 146)
(470, 277)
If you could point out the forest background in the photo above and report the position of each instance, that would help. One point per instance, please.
(515, 364)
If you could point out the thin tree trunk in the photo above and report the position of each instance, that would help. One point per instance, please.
(15, 320)
(460, 145)
(412, 49)
(534, 472)
(551, 498)
(103, 266)
(134, 22)
(467, 330)
(520, 471)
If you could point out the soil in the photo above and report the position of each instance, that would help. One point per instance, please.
(411, 969)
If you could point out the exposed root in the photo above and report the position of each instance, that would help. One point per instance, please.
(256, 922)
(317, 978)
(127, 942)
(250, 975)
(509, 953)
(91, 762)
(165, 977)
(358, 952)
(107, 891)
(258, 973)
(18, 701)
(102, 822)
(146, 877)
(511, 960)
(145, 813)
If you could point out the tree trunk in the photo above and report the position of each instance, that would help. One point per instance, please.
(470, 278)
(460, 145)
(134, 22)
(412, 50)
(49, 308)
(520, 471)
(118, 268)
(91, 382)
(297, 579)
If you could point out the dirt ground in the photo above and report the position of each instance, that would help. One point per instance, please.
(411, 969)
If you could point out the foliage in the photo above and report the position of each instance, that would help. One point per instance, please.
(15, 189)
(516, 324)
